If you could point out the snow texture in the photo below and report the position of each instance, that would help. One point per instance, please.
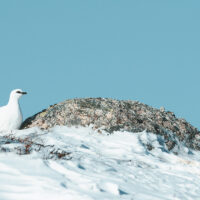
(124, 165)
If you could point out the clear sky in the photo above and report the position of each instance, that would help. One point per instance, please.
(145, 50)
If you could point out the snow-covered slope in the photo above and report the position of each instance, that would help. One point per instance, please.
(123, 165)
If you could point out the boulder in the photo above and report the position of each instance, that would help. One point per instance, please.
(115, 115)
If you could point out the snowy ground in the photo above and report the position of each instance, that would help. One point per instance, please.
(118, 166)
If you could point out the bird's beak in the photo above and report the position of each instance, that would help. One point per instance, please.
(24, 93)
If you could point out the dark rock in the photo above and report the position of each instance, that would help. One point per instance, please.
(113, 115)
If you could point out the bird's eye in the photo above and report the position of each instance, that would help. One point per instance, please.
(18, 92)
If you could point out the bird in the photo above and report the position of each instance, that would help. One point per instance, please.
(10, 115)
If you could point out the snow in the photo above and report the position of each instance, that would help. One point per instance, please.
(100, 166)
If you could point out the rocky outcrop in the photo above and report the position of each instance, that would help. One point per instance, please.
(113, 115)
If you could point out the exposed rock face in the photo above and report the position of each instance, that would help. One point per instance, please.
(112, 115)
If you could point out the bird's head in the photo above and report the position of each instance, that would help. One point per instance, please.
(17, 93)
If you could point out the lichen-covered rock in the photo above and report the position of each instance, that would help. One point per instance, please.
(113, 115)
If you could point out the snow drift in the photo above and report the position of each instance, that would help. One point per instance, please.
(80, 163)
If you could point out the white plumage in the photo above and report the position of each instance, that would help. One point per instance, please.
(11, 115)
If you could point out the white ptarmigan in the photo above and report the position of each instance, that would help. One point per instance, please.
(11, 115)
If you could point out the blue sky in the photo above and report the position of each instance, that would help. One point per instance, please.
(125, 49)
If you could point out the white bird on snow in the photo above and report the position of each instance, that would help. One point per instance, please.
(11, 115)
